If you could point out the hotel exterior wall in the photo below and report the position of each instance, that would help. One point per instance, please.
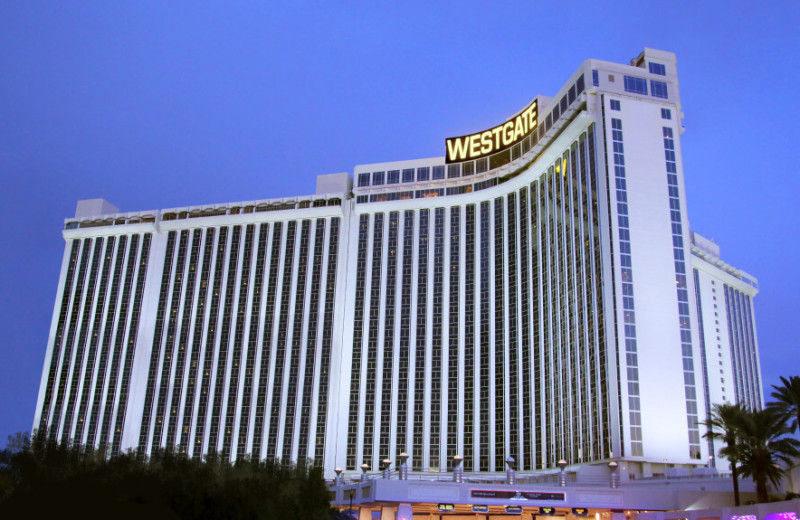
(498, 208)
(153, 413)
(539, 314)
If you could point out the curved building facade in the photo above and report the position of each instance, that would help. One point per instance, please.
(534, 294)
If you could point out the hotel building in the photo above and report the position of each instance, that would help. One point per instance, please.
(535, 294)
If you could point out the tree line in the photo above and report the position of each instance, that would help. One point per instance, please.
(41, 478)
(759, 443)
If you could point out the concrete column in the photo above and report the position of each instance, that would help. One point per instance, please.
(387, 513)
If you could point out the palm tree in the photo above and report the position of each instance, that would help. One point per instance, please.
(762, 443)
(787, 400)
(723, 424)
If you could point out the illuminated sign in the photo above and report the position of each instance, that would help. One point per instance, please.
(789, 515)
(446, 508)
(515, 495)
(580, 511)
(497, 139)
(514, 510)
(480, 509)
(547, 511)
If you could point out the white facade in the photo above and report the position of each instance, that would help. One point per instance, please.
(536, 303)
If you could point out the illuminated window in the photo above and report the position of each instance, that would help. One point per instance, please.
(657, 68)
(615, 104)
(659, 89)
(635, 85)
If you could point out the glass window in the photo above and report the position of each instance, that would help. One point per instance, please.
(579, 84)
(615, 104)
(595, 78)
(393, 177)
(658, 88)
(666, 113)
(657, 68)
(438, 172)
(378, 178)
(423, 174)
(453, 170)
(363, 179)
(408, 175)
(635, 85)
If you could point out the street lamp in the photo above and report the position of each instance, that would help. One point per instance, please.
(511, 476)
(403, 466)
(352, 492)
(562, 464)
(457, 469)
(612, 466)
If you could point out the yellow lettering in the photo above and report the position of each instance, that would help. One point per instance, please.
(518, 131)
(496, 131)
(494, 139)
(474, 145)
(486, 142)
(508, 133)
(457, 148)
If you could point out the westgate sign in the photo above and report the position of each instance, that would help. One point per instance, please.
(497, 139)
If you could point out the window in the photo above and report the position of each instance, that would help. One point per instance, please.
(438, 172)
(393, 177)
(423, 174)
(659, 89)
(595, 78)
(377, 178)
(363, 179)
(615, 104)
(635, 85)
(408, 175)
(666, 113)
(657, 68)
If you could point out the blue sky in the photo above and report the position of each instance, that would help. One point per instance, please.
(154, 105)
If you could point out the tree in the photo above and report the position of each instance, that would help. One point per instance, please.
(57, 479)
(762, 443)
(787, 400)
(724, 424)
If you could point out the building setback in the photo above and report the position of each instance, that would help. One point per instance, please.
(535, 294)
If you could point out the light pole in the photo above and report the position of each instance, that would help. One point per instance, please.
(562, 464)
(457, 469)
(612, 466)
(403, 472)
(350, 511)
(511, 476)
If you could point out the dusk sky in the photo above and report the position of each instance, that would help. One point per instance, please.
(154, 105)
